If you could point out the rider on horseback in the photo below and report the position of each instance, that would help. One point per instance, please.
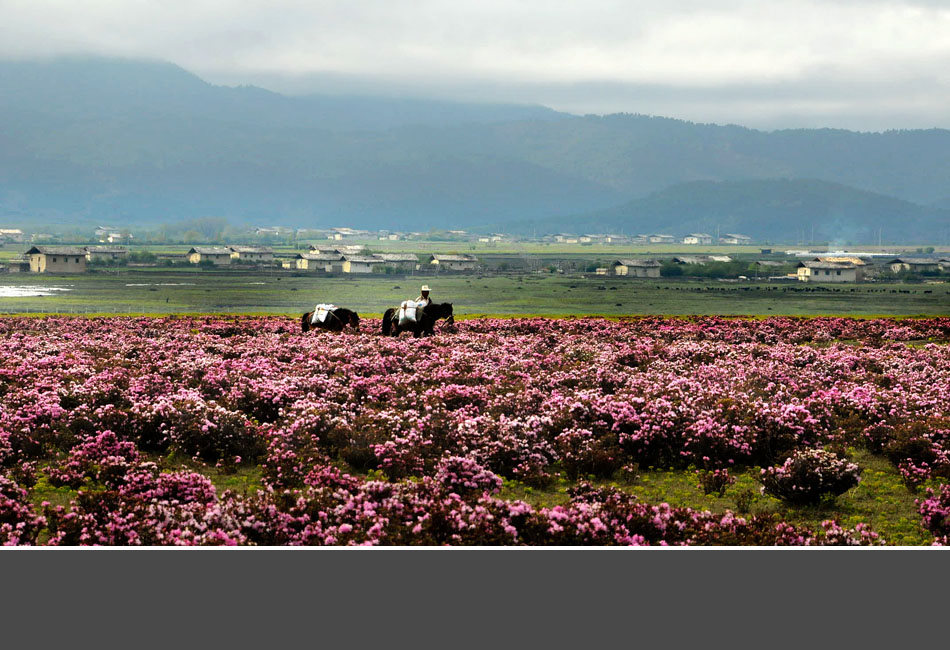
(424, 300)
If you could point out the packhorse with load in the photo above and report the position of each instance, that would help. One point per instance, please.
(330, 318)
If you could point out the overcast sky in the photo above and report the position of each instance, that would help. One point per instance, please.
(860, 64)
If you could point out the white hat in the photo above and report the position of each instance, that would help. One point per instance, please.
(425, 287)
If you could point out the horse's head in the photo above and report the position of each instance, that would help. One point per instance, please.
(355, 320)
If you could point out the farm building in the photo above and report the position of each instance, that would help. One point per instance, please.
(914, 264)
(12, 235)
(326, 262)
(220, 255)
(106, 253)
(841, 259)
(361, 263)
(637, 268)
(323, 250)
(57, 259)
(251, 254)
(811, 271)
(661, 239)
(701, 259)
(734, 238)
(698, 238)
(454, 262)
(400, 261)
(18, 265)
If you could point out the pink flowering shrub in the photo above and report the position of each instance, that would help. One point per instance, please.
(19, 524)
(465, 476)
(85, 402)
(935, 513)
(809, 475)
(102, 458)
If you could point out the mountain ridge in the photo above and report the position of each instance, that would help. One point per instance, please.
(102, 139)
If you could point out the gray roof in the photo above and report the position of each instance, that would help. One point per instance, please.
(455, 258)
(210, 250)
(107, 249)
(770, 263)
(701, 259)
(363, 259)
(827, 265)
(638, 263)
(914, 260)
(251, 249)
(320, 257)
(56, 250)
(398, 257)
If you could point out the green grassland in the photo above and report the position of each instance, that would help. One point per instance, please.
(163, 291)
(881, 500)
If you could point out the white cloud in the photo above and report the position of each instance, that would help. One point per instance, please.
(449, 44)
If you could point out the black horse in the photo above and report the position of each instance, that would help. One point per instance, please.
(335, 321)
(425, 320)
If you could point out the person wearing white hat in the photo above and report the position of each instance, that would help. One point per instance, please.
(424, 300)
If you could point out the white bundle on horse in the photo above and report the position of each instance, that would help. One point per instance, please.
(407, 311)
(320, 313)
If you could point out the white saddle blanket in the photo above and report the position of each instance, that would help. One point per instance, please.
(320, 313)
(408, 311)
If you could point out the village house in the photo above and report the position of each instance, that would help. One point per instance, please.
(400, 261)
(18, 265)
(637, 268)
(218, 255)
(914, 264)
(117, 238)
(698, 238)
(841, 259)
(735, 239)
(57, 259)
(701, 259)
(812, 271)
(326, 262)
(11, 235)
(361, 263)
(251, 254)
(106, 253)
(323, 250)
(454, 262)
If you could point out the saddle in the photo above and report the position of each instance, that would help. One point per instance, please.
(320, 313)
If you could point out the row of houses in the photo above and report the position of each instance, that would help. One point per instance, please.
(819, 269)
(335, 261)
(64, 259)
(856, 269)
(691, 239)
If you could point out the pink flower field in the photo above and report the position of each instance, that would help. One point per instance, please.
(125, 431)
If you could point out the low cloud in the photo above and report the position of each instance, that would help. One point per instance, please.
(868, 64)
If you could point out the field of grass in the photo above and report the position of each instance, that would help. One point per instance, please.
(881, 500)
(163, 291)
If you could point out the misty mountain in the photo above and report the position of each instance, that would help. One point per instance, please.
(769, 210)
(84, 140)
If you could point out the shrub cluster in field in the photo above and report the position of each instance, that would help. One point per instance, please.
(86, 402)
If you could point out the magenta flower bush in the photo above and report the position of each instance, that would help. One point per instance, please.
(96, 405)
(809, 475)
(935, 513)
